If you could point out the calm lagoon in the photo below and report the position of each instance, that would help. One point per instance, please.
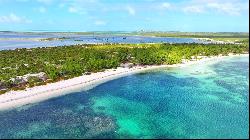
(32, 40)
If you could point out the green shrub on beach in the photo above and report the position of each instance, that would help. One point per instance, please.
(70, 61)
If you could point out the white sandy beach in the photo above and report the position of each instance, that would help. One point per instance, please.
(13, 99)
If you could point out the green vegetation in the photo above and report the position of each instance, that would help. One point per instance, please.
(51, 39)
(235, 40)
(244, 41)
(236, 37)
(196, 34)
(70, 61)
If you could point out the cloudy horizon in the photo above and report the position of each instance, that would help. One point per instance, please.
(125, 15)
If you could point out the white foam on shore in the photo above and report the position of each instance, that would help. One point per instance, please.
(13, 99)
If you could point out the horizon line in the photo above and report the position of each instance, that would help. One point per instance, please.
(123, 31)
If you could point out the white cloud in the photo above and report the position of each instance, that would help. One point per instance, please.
(42, 9)
(165, 5)
(130, 10)
(22, 0)
(12, 18)
(193, 9)
(45, 1)
(77, 10)
(85, 7)
(227, 8)
(81, 7)
(100, 22)
(73, 9)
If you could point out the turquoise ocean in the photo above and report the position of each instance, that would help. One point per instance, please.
(209, 100)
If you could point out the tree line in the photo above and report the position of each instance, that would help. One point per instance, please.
(65, 62)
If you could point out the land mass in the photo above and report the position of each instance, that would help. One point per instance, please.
(214, 37)
(21, 68)
(31, 72)
(13, 99)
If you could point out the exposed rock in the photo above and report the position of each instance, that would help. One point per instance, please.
(127, 65)
(25, 78)
(40, 75)
(2, 86)
(87, 73)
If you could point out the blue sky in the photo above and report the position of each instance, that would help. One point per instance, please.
(125, 15)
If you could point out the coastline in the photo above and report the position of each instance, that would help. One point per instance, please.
(14, 99)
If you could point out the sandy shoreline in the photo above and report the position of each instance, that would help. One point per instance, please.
(13, 99)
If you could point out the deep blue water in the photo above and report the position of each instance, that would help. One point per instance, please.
(24, 40)
(201, 101)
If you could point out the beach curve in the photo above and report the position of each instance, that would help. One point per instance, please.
(14, 99)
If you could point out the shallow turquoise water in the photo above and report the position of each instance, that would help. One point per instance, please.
(200, 101)
(22, 40)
